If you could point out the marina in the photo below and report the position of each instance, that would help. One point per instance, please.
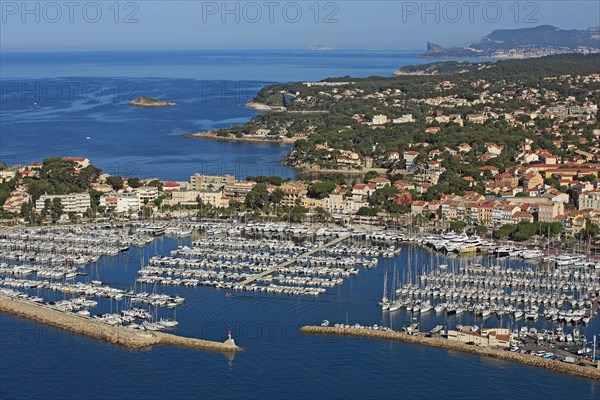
(89, 327)
(176, 278)
(424, 287)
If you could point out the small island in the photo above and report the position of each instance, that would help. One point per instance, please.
(145, 101)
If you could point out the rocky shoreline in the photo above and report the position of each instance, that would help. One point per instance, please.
(264, 107)
(558, 366)
(116, 335)
(213, 135)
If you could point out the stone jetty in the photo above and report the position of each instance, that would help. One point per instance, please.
(129, 338)
(559, 366)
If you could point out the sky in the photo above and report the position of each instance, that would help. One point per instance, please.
(273, 24)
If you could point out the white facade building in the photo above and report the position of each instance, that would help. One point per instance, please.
(589, 200)
(76, 203)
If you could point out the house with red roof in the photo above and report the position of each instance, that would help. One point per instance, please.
(464, 147)
(403, 197)
(81, 162)
(417, 207)
(547, 158)
(169, 187)
(380, 182)
(493, 170)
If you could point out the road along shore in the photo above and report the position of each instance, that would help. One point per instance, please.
(129, 338)
(573, 369)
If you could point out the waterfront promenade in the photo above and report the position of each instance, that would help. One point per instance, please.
(82, 325)
(573, 369)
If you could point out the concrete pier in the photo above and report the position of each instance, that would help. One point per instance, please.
(129, 338)
(554, 365)
(294, 259)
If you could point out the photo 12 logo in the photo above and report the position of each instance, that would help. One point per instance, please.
(470, 12)
(34, 92)
(53, 12)
(235, 92)
(253, 12)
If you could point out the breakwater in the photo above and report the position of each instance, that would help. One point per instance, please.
(129, 338)
(573, 369)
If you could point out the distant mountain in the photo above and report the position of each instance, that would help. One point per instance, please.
(552, 65)
(524, 42)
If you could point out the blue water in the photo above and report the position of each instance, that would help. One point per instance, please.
(278, 362)
(131, 141)
(41, 362)
(75, 104)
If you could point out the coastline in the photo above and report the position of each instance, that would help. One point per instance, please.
(264, 107)
(112, 334)
(313, 168)
(558, 366)
(281, 140)
(249, 139)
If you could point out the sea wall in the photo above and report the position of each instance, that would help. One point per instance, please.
(129, 338)
(559, 366)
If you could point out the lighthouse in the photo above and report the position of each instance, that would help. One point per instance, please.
(229, 341)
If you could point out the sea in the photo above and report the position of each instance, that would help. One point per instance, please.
(75, 104)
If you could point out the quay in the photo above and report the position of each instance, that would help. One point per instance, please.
(559, 366)
(294, 259)
(86, 326)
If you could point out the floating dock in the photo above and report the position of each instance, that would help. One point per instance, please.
(573, 369)
(294, 259)
(129, 338)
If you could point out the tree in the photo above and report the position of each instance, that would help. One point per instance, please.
(481, 229)
(115, 181)
(276, 196)
(273, 180)
(27, 212)
(156, 183)
(504, 231)
(395, 208)
(368, 211)
(587, 178)
(525, 231)
(236, 205)
(134, 182)
(593, 230)
(381, 196)
(56, 209)
(320, 190)
(458, 225)
(370, 175)
(5, 190)
(94, 201)
(321, 214)
(47, 206)
(258, 197)
(37, 187)
(298, 214)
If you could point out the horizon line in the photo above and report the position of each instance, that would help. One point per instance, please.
(80, 50)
